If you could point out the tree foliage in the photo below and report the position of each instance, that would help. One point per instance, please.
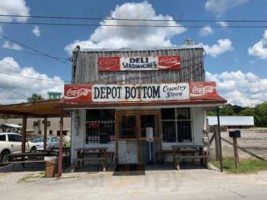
(35, 98)
(259, 112)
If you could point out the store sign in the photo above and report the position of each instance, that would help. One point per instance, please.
(77, 93)
(139, 63)
(203, 90)
(139, 92)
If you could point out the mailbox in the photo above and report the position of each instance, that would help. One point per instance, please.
(235, 134)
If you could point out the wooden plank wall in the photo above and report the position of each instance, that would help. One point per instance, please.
(86, 69)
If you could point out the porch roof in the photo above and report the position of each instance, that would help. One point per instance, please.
(47, 108)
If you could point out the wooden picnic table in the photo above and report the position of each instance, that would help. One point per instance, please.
(185, 150)
(23, 158)
(101, 153)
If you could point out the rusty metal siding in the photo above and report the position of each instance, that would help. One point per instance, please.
(85, 69)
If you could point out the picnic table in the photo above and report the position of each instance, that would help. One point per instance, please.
(100, 152)
(23, 158)
(177, 150)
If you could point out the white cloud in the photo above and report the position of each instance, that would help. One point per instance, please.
(222, 46)
(259, 49)
(244, 89)
(133, 37)
(222, 24)
(14, 7)
(220, 7)
(36, 31)
(12, 46)
(36, 83)
(206, 30)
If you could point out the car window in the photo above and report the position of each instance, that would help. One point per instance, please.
(14, 138)
(2, 137)
(55, 139)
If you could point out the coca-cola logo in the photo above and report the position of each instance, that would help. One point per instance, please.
(168, 61)
(201, 90)
(109, 62)
(76, 93)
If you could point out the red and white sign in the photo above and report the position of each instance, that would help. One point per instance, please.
(169, 62)
(203, 90)
(78, 93)
(139, 63)
(139, 92)
(108, 64)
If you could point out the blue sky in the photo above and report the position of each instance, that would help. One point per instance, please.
(225, 64)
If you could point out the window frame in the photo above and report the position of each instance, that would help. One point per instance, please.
(175, 120)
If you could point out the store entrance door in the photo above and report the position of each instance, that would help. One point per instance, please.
(131, 144)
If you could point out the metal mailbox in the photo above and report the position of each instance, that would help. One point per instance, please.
(235, 134)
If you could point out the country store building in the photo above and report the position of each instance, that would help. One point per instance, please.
(138, 103)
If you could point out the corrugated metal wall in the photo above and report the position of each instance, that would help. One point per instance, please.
(85, 69)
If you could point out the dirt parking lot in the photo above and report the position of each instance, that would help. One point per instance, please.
(154, 184)
(252, 144)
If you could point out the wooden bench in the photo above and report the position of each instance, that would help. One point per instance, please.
(26, 158)
(101, 153)
(177, 159)
(185, 149)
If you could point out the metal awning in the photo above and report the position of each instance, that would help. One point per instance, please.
(47, 108)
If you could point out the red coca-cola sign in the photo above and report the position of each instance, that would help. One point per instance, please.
(109, 64)
(77, 93)
(203, 90)
(169, 62)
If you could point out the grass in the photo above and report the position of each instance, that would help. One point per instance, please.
(32, 177)
(245, 166)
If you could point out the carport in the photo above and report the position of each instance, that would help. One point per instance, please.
(42, 109)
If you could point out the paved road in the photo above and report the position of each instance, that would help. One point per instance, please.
(155, 184)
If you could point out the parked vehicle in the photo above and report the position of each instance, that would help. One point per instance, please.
(11, 143)
(51, 142)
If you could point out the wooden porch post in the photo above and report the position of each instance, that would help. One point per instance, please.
(45, 132)
(60, 145)
(24, 128)
(219, 137)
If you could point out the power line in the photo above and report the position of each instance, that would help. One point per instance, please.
(130, 26)
(13, 92)
(128, 19)
(35, 50)
(30, 77)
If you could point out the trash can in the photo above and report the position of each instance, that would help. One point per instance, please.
(51, 166)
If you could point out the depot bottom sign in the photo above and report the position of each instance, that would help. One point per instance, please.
(138, 92)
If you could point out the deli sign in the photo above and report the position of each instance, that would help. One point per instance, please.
(139, 63)
(139, 92)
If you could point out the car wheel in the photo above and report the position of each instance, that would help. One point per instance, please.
(4, 156)
(33, 150)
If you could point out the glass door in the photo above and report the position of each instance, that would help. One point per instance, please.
(128, 133)
(131, 130)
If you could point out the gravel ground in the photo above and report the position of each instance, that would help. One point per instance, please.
(253, 144)
(153, 184)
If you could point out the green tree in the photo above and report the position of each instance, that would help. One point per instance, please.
(35, 98)
(227, 110)
(248, 112)
(261, 113)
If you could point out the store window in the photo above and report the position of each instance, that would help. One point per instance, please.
(50, 132)
(176, 125)
(100, 126)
